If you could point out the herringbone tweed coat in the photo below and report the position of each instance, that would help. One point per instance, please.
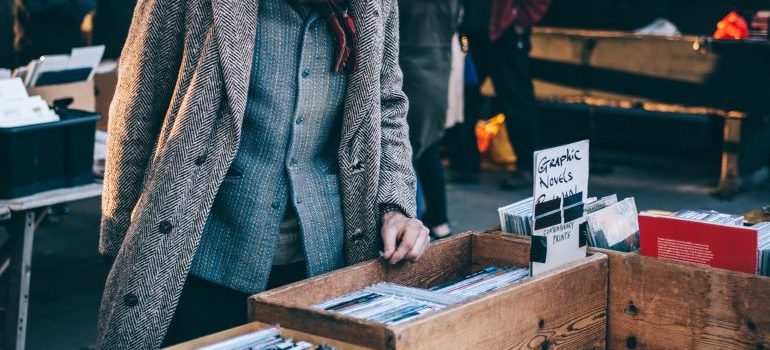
(175, 128)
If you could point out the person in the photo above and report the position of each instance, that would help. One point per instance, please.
(252, 143)
(426, 29)
(499, 34)
(48, 27)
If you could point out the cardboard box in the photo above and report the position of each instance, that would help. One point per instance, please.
(82, 92)
(562, 309)
(106, 83)
(657, 304)
(254, 326)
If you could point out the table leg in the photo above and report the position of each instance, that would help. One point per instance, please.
(729, 179)
(21, 231)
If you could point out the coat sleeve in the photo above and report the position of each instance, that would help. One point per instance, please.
(397, 180)
(149, 66)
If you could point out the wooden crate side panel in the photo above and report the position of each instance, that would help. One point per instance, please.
(524, 316)
(445, 260)
(254, 326)
(313, 290)
(323, 324)
(498, 249)
(655, 304)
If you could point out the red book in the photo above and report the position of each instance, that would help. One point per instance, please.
(697, 242)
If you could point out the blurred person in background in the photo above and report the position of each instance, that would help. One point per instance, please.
(499, 34)
(111, 21)
(48, 27)
(427, 27)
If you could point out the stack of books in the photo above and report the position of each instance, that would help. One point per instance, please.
(711, 216)
(387, 303)
(263, 339)
(482, 282)
(613, 225)
(707, 237)
(516, 218)
(610, 224)
(390, 303)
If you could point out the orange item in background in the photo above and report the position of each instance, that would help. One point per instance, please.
(733, 26)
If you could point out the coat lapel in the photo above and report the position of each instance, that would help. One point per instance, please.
(367, 15)
(235, 27)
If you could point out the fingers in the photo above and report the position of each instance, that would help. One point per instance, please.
(389, 236)
(410, 236)
(412, 242)
(419, 248)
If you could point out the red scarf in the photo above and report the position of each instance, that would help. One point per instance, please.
(344, 28)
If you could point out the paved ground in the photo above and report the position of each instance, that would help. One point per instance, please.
(68, 274)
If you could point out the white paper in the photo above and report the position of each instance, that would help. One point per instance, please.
(560, 172)
(12, 89)
(86, 57)
(26, 111)
(49, 63)
(5, 73)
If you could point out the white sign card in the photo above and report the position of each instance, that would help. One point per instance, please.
(560, 189)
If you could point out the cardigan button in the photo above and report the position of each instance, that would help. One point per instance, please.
(165, 227)
(130, 300)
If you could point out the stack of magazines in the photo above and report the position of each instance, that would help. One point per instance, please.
(610, 224)
(484, 281)
(390, 303)
(387, 303)
(264, 339)
(517, 217)
(711, 216)
(763, 244)
(613, 225)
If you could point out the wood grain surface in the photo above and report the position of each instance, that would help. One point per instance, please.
(655, 304)
(532, 314)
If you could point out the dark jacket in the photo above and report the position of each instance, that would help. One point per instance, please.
(495, 17)
(426, 32)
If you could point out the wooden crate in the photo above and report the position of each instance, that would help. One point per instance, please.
(248, 328)
(564, 309)
(656, 304)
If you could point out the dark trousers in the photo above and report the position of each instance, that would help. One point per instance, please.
(205, 308)
(460, 140)
(431, 173)
(507, 62)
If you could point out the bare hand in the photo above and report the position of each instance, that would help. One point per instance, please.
(404, 238)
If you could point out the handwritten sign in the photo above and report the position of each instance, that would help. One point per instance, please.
(560, 189)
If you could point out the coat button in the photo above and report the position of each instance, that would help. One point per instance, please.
(200, 160)
(358, 166)
(130, 300)
(358, 234)
(165, 227)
